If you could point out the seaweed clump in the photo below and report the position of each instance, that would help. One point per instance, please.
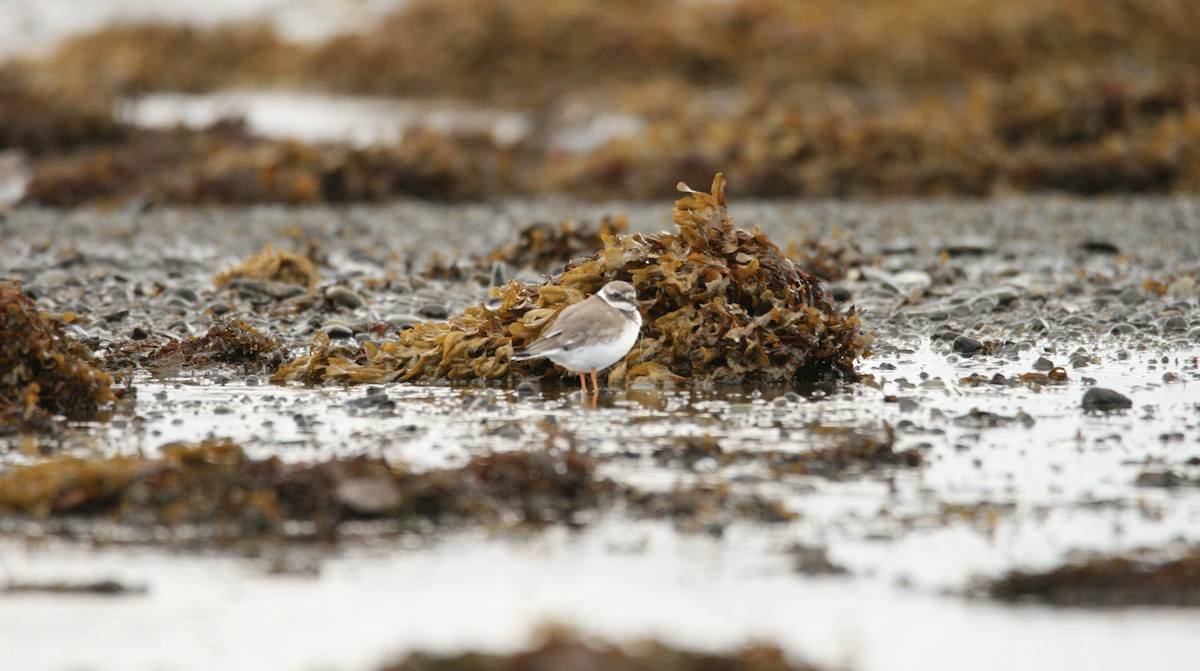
(1107, 582)
(43, 371)
(561, 649)
(214, 484)
(272, 266)
(541, 247)
(720, 304)
(851, 452)
(229, 342)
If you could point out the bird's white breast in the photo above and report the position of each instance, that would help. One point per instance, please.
(599, 355)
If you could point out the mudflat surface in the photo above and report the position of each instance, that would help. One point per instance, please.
(993, 322)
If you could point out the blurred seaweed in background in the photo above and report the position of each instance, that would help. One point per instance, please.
(789, 99)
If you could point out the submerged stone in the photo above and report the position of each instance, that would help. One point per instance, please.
(1099, 399)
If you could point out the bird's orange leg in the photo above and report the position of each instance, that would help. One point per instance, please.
(595, 385)
(583, 382)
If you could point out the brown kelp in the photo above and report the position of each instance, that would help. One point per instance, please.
(270, 265)
(720, 303)
(43, 371)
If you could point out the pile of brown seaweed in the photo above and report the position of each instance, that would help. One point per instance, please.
(216, 485)
(229, 342)
(43, 371)
(1108, 582)
(273, 266)
(562, 649)
(720, 304)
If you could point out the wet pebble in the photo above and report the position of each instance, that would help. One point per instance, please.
(526, 388)
(1043, 364)
(403, 321)
(1100, 399)
(139, 333)
(968, 247)
(1123, 329)
(966, 345)
(484, 402)
(344, 297)
(186, 294)
(1174, 324)
(336, 330)
(840, 294)
(1131, 296)
(114, 317)
(376, 397)
(1001, 296)
(1097, 246)
(434, 310)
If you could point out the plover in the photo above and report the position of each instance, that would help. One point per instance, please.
(591, 335)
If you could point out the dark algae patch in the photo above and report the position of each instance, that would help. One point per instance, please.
(720, 304)
(1108, 582)
(98, 588)
(852, 452)
(43, 371)
(228, 342)
(214, 485)
(563, 650)
(540, 247)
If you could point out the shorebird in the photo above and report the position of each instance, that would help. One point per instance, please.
(591, 335)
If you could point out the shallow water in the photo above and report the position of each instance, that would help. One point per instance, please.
(1013, 476)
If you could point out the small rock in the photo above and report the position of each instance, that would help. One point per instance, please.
(966, 345)
(434, 310)
(1122, 329)
(968, 247)
(369, 495)
(344, 297)
(186, 294)
(376, 397)
(139, 333)
(1043, 364)
(1132, 296)
(114, 317)
(840, 294)
(338, 331)
(1173, 324)
(403, 321)
(1099, 247)
(1099, 399)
